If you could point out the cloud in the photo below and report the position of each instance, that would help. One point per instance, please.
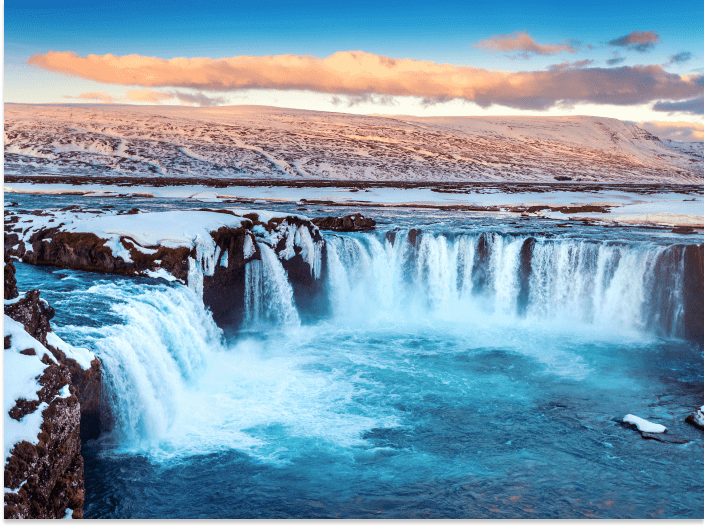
(680, 58)
(93, 96)
(693, 106)
(615, 60)
(641, 41)
(200, 99)
(567, 65)
(151, 96)
(522, 43)
(356, 73)
(678, 131)
(365, 98)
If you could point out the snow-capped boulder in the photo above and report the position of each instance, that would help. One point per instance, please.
(696, 418)
(644, 426)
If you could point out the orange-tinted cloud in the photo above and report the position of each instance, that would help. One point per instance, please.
(568, 65)
(151, 96)
(679, 131)
(93, 96)
(522, 43)
(638, 40)
(358, 73)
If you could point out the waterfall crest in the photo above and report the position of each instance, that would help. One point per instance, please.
(635, 286)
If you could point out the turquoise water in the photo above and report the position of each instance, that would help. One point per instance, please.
(427, 390)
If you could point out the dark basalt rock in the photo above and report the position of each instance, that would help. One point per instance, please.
(665, 438)
(480, 271)
(693, 289)
(350, 223)
(524, 274)
(223, 292)
(696, 419)
(10, 281)
(53, 468)
(33, 313)
(414, 237)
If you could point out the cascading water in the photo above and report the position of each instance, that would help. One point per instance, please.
(614, 285)
(268, 293)
(449, 367)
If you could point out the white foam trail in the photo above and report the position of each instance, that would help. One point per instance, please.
(177, 390)
(166, 340)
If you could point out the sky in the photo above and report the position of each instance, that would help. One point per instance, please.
(641, 62)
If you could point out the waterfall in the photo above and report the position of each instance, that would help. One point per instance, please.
(165, 340)
(620, 286)
(268, 292)
(176, 387)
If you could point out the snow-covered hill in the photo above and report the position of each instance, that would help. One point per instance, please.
(261, 142)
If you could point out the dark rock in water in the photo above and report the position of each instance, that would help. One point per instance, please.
(683, 230)
(414, 237)
(350, 223)
(524, 273)
(696, 418)
(480, 271)
(665, 438)
(390, 237)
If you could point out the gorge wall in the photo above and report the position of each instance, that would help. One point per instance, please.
(52, 391)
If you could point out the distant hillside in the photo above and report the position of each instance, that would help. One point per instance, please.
(266, 142)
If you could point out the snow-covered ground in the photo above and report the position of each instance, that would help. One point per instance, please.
(624, 206)
(20, 381)
(254, 142)
(127, 235)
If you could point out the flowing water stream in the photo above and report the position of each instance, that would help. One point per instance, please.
(471, 370)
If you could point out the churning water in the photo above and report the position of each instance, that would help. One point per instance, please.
(462, 372)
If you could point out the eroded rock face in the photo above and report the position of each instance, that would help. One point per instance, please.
(206, 249)
(350, 223)
(48, 476)
(10, 281)
(45, 478)
(693, 289)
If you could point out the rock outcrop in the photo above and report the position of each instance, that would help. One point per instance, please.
(349, 223)
(43, 467)
(205, 249)
(696, 418)
(693, 289)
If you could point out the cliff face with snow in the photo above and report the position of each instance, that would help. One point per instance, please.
(46, 384)
(250, 142)
(204, 249)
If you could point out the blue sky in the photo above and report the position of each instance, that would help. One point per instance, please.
(440, 32)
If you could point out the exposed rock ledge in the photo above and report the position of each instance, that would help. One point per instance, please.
(350, 223)
(47, 383)
(205, 249)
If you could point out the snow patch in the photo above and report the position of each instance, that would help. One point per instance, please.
(82, 356)
(643, 425)
(20, 381)
(161, 273)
